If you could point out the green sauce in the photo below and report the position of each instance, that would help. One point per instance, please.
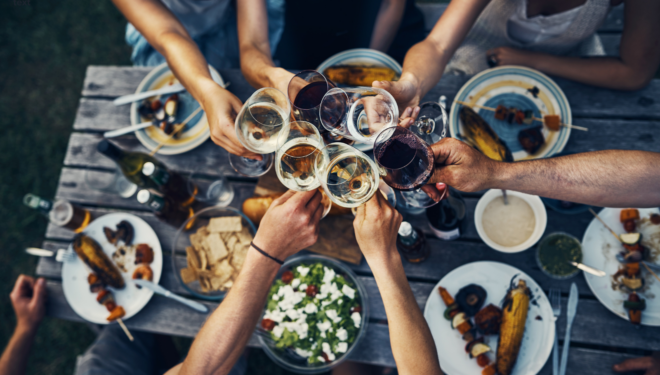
(556, 251)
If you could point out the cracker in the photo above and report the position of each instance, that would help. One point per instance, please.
(225, 224)
(203, 261)
(188, 275)
(238, 256)
(197, 240)
(244, 236)
(192, 258)
(216, 249)
(231, 243)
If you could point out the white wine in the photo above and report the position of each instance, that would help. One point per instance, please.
(295, 164)
(258, 126)
(351, 179)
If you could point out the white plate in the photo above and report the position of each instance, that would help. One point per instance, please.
(74, 272)
(196, 131)
(599, 248)
(495, 278)
(508, 85)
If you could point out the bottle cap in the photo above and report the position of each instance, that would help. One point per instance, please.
(405, 229)
(148, 168)
(143, 196)
(31, 200)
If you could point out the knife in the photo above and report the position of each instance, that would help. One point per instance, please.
(164, 292)
(571, 310)
(127, 129)
(143, 95)
(588, 269)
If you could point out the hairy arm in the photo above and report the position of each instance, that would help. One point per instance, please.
(376, 226)
(256, 60)
(611, 178)
(387, 24)
(15, 357)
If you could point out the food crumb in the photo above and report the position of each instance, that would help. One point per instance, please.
(538, 317)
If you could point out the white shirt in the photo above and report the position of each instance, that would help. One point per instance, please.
(539, 28)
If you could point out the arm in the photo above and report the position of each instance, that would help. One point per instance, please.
(434, 51)
(256, 60)
(387, 24)
(165, 33)
(376, 226)
(651, 365)
(28, 299)
(290, 225)
(638, 60)
(611, 178)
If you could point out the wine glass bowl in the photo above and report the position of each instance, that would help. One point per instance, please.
(348, 176)
(261, 119)
(298, 145)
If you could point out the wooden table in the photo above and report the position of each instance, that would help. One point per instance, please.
(615, 119)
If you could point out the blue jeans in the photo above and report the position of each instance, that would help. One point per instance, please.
(218, 45)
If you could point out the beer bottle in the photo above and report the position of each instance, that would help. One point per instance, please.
(61, 212)
(165, 208)
(130, 163)
(412, 243)
(170, 183)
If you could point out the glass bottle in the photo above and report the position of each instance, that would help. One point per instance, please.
(130, 163)
(412, 243)
(165, 208)
(171, 183)
(447, 219)
(60, 212)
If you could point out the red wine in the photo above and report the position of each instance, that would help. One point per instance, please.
(408, 160)
(448, 218)
(311, 95)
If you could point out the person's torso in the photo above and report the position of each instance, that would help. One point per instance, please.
(198, 16)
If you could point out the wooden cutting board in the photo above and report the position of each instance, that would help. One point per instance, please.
(336, 234)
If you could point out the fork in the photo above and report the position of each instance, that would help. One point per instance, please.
(61, 255)
(555, 301)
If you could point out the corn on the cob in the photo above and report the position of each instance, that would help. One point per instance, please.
(514, 316)
(482, 136)
(359, 75)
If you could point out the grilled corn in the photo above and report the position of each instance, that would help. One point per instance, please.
(359, 75)
(91, 253)
(482, 136)
(514, 316)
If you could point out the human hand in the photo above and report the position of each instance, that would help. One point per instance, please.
(221, 108)
(376, 226)
(650, 364)
(461, 166)
(290, 224)
(509, 56)
(405, 91)
(29, 301)
(279, 78)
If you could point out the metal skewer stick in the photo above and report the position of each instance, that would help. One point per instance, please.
(535, 118)
(125, 329)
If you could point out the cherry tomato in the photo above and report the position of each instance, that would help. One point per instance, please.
(268, 324)
(311, 290)
(482, 360)
(325, 357)
(287, 276)
(629, 226)
(110, 305)
(155, 105)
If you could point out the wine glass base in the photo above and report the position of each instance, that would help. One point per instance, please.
(417, 198)
(250, 167)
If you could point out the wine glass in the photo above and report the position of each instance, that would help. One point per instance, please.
(298, 145)
(257, 126)
(213, 191)
(406, 155)
(348, 176)
(358, 113)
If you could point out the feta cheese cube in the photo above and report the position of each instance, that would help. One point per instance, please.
(295, 283)
(357, 319)
(341, 347)
(342, 334)
(328, 275)
(302, 270)
(348, 291)
(277, 331)
(311, 308)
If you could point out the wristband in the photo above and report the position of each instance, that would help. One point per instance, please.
(266, 254)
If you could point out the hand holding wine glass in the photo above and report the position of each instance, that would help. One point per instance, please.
(461, 166)
(376, 225)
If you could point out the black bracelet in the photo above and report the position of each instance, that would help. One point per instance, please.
(266, 254)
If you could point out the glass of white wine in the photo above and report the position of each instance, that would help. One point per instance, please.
(348, 176)
(257, 126)
(298, 145)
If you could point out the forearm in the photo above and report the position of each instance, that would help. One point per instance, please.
(611, 178)
(412, 344)
(607, 72)
(14, 358)
(259, 70)
(424, 65)
(224, 336)
(387, 24)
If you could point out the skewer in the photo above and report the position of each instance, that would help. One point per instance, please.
(176, 131)
(535, 118)
(618, 238)
(125, 329)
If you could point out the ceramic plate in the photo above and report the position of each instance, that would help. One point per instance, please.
(197, 129)
(74, 272)
(599, 248)
(508, 86)
(495, 278)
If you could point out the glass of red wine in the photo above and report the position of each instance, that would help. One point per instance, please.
(406, 155)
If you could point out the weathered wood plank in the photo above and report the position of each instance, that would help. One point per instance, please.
(433, 11)
(589, 362)
(101, 115)
(164, 316)
(207, 159)
(72, 187)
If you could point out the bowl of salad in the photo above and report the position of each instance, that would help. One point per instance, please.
(316, 313)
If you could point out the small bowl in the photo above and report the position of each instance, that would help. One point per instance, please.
(302, 367)
(539, 213)
(182, 240)
(538, 255)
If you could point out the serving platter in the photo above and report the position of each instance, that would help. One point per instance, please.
(513, 86)
(75, 272)
(196, 130)
(599, 249)
(495, 278)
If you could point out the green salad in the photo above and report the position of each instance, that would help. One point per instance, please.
(313, 311)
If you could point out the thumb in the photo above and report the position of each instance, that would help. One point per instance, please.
(634, 364)
(40, 291)
(392, 87)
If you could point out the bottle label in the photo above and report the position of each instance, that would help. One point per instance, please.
(161, 176)
(447, 236)
(156, 203)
